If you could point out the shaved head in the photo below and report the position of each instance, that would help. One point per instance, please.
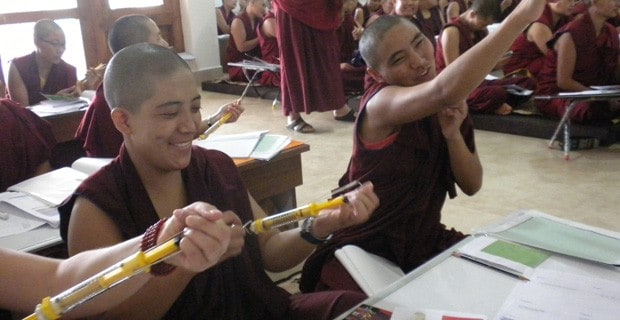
(132, 73)
(128, 30)
(44, 28)
(373, 36)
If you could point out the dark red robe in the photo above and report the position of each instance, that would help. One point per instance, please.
(234, 55)
(97, 131)
(26, 142)
(412, 177)
(237, 288)
(270, 52)
(595, 64)
(61, 76)
(228, 18)
(525, 53)
(490, 94)
(309, 53)
(432, 26)
(352, 79)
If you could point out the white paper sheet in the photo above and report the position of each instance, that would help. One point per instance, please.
(559, 295)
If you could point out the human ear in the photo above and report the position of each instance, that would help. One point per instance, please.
(375, 74)
(121, 119)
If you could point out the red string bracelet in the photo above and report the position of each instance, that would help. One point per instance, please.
(149, 240)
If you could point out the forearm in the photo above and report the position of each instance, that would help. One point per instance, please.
(474, 64)
(286, 249)
(465, 165)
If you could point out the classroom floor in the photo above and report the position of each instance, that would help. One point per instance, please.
(519, 172)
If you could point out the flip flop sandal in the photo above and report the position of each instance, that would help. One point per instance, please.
(300, 126)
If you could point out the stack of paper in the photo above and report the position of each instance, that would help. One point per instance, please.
(257, 145)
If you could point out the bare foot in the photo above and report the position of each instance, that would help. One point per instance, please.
(503, 110)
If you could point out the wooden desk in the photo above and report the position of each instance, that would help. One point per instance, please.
(274, 180)
(65, 125)
(272, 183)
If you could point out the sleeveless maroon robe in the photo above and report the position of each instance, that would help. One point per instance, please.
(237, 288)
(97, 131)
(269, 52)
(61, 76)
(432, 26)
(26, 142)
(412, 177)
(234, 55)
(525, 53)
(352, 80)
(595, 64)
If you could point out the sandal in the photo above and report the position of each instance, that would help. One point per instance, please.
(300, 126)
(349, 117)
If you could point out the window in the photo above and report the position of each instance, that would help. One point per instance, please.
(36, 5)
(121, 4)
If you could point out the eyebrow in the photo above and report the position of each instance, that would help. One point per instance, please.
(415, 38)
(175, 102)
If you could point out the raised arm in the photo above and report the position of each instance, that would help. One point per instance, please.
(457, 80)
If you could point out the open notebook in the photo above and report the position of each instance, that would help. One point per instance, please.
(371, 272)
(34, 201)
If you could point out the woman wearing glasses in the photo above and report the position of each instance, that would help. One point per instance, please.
(42, 71)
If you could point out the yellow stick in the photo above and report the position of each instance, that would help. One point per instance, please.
(300, 213)
(53, 308)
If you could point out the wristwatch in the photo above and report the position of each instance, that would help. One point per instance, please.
(306, 232)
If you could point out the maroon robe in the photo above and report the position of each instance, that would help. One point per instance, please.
(595, 64)
(309, 55)
(490, 94)
(237, 288)
(432, 26)
(228, 18)
(411, 176)
(352, 79)
(525, 53)
(61, 76)
(26, 142)
(269, 52)
(234, 55)
(97, 131)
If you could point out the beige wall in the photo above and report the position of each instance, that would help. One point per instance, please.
(200, 34)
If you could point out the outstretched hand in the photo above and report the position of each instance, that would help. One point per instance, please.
(361, 203)
(233, 108)
(206, 236)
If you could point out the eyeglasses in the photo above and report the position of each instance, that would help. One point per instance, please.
(54, 44)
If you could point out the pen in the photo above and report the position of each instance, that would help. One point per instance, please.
(227, 115)
(280, 219)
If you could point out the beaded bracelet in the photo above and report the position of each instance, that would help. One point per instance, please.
(149, 240)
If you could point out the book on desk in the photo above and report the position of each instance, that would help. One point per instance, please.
(257, 145)
(33, 202)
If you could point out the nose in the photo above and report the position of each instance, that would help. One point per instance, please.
(188, 122)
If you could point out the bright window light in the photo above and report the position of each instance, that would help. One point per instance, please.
(35, 5)
(120, 4)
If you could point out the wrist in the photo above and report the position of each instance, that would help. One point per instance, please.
(308, 233)
(149, 240)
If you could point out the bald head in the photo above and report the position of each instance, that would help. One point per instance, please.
(46, 27)
(128, 30)
(373, 36)
(132, 74)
